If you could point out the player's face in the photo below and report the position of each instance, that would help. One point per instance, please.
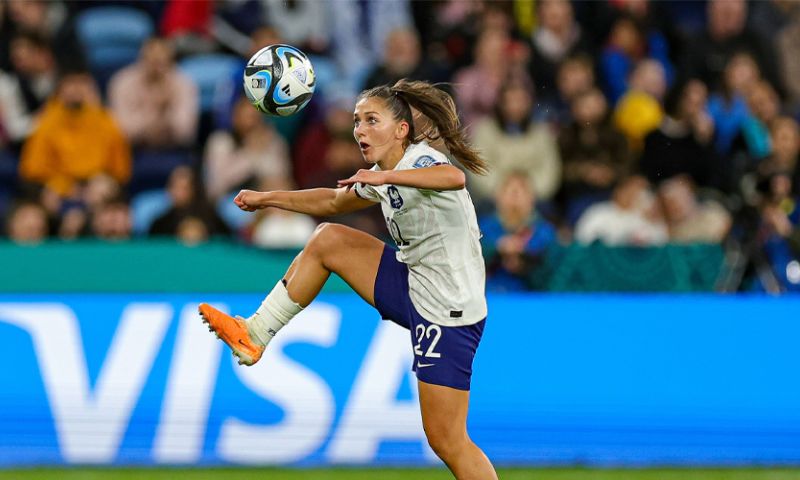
(377, 132)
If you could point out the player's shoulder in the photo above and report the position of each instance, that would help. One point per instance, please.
(421, 155)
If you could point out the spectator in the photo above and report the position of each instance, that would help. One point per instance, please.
(74, 221)
(639, 111)
(188, 203)
(728, 108)
(25, 90)
(314, 141)
(779, 235)
(302, 23)
(515, 238)
(625, 48)
(5, 37)
(192, 231)
(753, 139)
(682, 142)
(595, 155)
(630, 218)
(76, 139)
(358, 31)
(512, 140)
(51, 21)
(558, 37)
(726, 34)
(688, 219)
(276, 228)
(112, 220)
(657, 26)
(73, 224)
(251, 153)
(575, 76)
(632, 39)
(188, 25)
(156, 105)
(27, 224)
(450, 29)
(478, 85)
(402, 58)
(769, 17)
(787, 41)
(785, 143)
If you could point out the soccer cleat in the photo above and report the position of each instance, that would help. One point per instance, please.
(232, 331)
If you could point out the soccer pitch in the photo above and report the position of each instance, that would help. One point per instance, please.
(395, 474)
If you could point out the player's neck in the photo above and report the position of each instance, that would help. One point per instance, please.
(392, 158)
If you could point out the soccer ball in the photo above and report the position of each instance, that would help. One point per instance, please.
(279, 80)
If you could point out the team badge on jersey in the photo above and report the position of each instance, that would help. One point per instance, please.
(394, 197)
(425, 161)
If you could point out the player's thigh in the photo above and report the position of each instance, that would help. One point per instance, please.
(353, 255)
(444, 413)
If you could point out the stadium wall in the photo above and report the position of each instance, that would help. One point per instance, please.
(135, 379)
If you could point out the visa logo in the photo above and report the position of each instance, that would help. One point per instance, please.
(91, 420)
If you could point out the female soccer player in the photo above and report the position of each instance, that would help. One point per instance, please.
(433, 284)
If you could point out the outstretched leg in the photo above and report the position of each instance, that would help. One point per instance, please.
(444, 417)
(353, 255)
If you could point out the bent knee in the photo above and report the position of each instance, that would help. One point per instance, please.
(326, 238)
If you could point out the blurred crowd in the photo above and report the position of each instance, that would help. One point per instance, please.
(626, 122)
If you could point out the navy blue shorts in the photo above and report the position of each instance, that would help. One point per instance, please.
(442, 355)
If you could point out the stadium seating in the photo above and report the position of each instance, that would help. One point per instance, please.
(146, 207)
(208, 71)
(233, 216)
(112, 37)
(151, 168)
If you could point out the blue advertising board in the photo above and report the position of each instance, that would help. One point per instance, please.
(559, 379)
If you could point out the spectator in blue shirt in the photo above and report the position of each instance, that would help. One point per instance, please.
(515, 238)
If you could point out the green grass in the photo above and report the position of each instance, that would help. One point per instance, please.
(392, 474)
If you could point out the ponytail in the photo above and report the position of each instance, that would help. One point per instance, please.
(438, 106)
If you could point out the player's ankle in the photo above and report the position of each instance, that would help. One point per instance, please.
(275, 312)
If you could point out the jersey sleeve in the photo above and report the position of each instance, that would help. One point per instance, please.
(429, 158)
(426, 160)
(367, 192)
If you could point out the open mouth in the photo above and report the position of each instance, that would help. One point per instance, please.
(363, 146)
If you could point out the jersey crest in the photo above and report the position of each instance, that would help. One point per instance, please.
(394, 197)
(425, 161)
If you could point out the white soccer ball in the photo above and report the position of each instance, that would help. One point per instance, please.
(279, 80)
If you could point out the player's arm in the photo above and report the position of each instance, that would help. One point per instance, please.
(437, 177)
(319, 202)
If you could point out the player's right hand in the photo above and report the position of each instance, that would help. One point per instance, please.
(248, 200)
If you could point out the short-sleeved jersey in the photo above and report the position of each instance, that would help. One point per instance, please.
(437, 236)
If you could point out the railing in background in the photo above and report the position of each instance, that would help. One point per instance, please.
(166, 266)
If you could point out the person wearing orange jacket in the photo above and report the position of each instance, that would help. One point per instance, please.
(76, 138)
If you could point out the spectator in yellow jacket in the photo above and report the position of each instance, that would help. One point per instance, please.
(76, 139)
(639, 111)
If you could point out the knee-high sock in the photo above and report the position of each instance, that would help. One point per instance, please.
(274, 313)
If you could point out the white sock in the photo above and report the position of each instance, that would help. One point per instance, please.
(274, 313)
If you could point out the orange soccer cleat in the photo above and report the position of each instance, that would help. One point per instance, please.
(232, 331)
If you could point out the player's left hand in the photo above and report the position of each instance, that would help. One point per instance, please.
(367, 177)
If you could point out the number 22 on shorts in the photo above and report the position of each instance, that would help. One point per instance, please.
(422, 332)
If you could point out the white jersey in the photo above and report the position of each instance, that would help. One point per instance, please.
(438, 238)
